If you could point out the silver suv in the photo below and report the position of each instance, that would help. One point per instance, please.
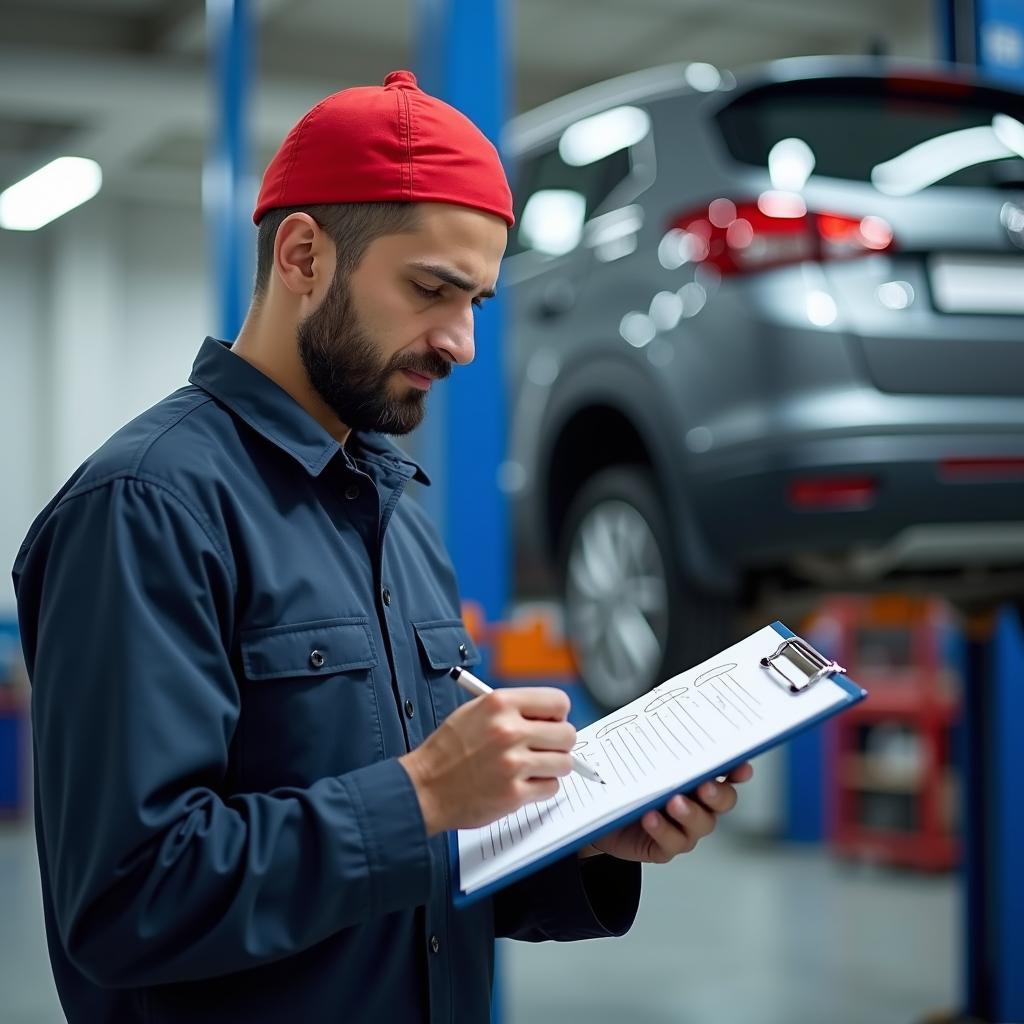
(767, 335)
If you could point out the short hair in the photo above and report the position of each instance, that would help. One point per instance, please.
(351, 226)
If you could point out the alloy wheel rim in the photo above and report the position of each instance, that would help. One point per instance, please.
(616, 602)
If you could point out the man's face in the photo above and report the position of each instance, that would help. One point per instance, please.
(382, 335)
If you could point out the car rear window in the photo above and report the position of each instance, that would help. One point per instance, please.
(853, 125)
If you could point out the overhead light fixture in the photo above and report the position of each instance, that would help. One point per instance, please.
(49, 193)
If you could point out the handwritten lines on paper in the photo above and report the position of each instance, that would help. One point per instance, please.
(676, 724)
(575, 796)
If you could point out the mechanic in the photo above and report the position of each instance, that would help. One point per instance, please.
(247, 749)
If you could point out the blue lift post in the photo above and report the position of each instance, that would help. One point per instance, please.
(993, 823)
(462, 57)
(228, 188)
(805, 786)
(1006, 916)
(990, 34)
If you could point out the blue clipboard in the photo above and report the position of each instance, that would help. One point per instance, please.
(822, 668)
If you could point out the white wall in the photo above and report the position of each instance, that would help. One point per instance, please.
(20, 330)
(101, 315)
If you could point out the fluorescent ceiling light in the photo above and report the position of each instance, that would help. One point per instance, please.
(49, 193)
(594, 138)
(938, 158)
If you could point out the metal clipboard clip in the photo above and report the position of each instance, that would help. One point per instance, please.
(821, 665)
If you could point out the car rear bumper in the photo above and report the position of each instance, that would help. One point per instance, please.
(933, 503)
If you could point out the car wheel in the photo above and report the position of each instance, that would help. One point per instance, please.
(631, 617)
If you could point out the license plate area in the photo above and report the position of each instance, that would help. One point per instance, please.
(977, 284)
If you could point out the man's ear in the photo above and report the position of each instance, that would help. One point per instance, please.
(303, 255)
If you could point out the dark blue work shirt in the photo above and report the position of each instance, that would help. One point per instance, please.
(234, 627)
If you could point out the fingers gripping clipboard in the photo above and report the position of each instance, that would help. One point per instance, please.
(702, 723)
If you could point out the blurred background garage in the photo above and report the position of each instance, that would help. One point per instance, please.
(757, 355)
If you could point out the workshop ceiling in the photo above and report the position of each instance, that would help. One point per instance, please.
(125, 82)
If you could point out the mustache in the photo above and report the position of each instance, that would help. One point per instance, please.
(431, 365)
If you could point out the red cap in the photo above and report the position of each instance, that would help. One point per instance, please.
(373, 144)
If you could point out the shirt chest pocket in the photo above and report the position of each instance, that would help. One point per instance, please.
(443, 644)
(309, 649)
(309, 701)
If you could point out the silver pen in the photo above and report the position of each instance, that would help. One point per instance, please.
(479, 688)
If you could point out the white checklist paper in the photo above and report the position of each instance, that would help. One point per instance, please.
(681, 731)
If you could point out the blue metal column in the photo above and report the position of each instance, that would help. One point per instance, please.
(993, 819)
(462, 58)
(976, 818)
(990, 34)
(1000, 35)
(804, 787)
(958, 36)
(228, 188)
(1007, 886)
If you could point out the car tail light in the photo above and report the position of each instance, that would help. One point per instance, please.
(775, 230)
(832, 494)
(981, 470)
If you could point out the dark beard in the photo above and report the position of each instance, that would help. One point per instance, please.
(344, 366)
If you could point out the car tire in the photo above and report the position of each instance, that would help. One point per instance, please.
(632, 617)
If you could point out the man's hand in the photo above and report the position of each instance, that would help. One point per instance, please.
(491, 756)
(658, 837)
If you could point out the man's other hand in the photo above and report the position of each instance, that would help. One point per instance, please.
(659, 836)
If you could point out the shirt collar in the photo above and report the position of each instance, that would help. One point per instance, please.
(262, 403)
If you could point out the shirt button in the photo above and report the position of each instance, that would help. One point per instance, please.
(462, 650)
(386, 595)
(351, 492)
(435, 943)
(316, 659)
(409, 710)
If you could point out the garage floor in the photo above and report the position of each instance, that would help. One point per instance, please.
(755, 934)
(735, 933)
